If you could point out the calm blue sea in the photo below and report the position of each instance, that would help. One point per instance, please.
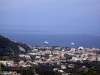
(58, 40)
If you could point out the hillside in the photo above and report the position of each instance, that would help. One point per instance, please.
(11, 48)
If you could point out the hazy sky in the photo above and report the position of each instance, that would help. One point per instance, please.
(50, 16)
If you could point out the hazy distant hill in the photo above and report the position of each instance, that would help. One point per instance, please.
(9, 47)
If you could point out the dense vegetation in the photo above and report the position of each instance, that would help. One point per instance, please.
(91, 68)
(10, 48)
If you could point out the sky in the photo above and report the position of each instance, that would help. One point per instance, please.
(50, 17)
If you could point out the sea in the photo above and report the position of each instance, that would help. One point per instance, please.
(64, 40)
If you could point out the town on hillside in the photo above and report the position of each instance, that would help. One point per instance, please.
(53, 60)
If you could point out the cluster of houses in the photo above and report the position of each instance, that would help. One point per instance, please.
(55, 55)
(52, 55)
(59, 54)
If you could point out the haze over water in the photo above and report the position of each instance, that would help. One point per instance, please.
(59, 22)
(88, 41)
